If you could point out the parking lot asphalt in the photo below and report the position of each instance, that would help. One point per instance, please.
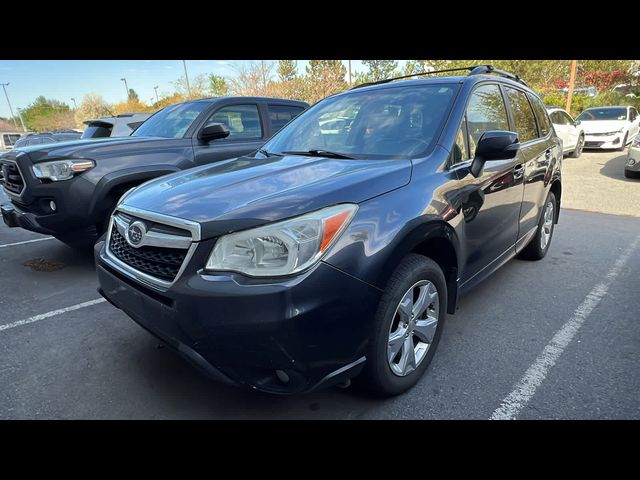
(95, 363)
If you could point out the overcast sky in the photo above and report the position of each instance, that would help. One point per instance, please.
(66, 79)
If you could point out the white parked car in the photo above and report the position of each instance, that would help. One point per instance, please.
(7, 140)
(632, 167)
(609, 127)
(570, 131)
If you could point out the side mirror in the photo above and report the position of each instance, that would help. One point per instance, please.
(577, 122)
(213, 132)
(494, 145)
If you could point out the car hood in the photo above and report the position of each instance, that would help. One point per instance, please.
(86, 148)
(245, 192)
(603, 126)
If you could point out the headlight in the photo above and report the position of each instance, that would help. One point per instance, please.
(636, 142)
(61, 169)
(281, 248)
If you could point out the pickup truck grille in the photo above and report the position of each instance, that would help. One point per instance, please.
(11, 178)
(162, 263)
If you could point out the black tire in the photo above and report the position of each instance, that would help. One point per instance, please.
(630, 174)
(624, 143)
(534, 250)
(377, 376)
(577, 151)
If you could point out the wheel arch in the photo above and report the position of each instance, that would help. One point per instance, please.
(438, 241)
(118, 183)
(556, 188)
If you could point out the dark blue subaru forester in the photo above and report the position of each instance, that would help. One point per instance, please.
(337, 250)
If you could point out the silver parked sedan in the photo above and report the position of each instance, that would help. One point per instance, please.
(632, 167)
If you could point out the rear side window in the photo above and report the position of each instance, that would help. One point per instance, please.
(632, 114)
(525, 123)
(486, 111)
(10, 138)
(541, 115)
(279, 115)
(243, 121)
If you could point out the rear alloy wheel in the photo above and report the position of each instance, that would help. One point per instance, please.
(407, 327)
(579, 146)
(624, 143)
(539, 244)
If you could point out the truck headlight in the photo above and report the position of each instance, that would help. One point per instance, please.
(281, 248)
(636, 141)
(61, 169)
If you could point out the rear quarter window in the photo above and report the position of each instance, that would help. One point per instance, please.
(544, 124)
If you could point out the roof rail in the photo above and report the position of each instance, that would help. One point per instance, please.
(473, 70)
(387, 80)
(480, 69)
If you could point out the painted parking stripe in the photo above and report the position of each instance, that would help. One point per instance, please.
(536, 373)
(26, 241)
(53, 313)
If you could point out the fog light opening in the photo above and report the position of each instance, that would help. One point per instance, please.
(282, 376)
(53, 206)
(616, 141)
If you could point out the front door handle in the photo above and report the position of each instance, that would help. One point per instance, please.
(547, 154)
(518, 171)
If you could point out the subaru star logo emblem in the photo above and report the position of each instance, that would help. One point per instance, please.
(135, 233)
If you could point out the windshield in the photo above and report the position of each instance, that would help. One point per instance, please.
(396, 122)
(171, 122)
(616, 113)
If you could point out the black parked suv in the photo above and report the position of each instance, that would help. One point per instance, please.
(68, 190)
(338, 251)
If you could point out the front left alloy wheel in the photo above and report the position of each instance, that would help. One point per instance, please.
(407, 326)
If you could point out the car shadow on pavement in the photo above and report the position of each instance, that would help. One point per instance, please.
(614, 168)
(181, 392)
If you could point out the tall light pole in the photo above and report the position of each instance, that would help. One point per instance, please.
(126, 86)
(156, 89)
(572, 80)
(21, 120)
(186, 76)
(4, 87)
(75, 105)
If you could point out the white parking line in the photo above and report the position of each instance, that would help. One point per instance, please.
(536, 373)
(26, 241)
(53, 313)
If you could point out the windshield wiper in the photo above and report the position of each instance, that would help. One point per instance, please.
(319, 153)
(268, 154)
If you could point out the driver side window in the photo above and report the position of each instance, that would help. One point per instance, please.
(485, 111)
(243, 121)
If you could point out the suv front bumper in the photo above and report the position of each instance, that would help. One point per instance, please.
(312, 327)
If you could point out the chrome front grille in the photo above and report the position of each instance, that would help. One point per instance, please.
(163, 263)
(157, 255)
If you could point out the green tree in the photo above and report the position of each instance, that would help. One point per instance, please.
(287, 70)
(218, 86)
(42, 107)
(380, 69)
(133, 96)
(324, 78)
